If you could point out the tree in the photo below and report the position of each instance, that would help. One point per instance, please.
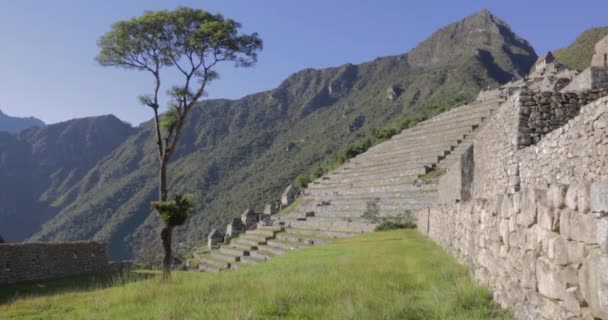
(192, 42)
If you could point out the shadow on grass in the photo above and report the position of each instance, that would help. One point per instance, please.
(77, 283)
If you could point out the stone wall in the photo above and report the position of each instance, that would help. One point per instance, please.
(543, 112)
(495, 147)
(543, 252)
(20, 262)
(456, 183)
(575, 153)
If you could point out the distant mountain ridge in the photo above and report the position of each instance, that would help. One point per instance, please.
(242, 153)
(15, 124)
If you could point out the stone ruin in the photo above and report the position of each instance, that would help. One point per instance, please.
(289, 196)
(526, 207)
(24, 262)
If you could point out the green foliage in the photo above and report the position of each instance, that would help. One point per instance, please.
(578, 54)
(175, 212)
(384, 133)
(163, 38)
(383, 275)
(393, 224)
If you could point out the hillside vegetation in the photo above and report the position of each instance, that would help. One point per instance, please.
(383, 275)
(578, 54)
(242, 153)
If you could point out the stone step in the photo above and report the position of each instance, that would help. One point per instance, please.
(476, 114)
(387, 173)
(262, 254)
(368, 181)
(209, 269)
(224, 256)
(260, 239)
(231, 251)
(262, 232)
(332, 224)
(445, 126)
(286, 244)
(350, 213)
(336, 185)
(215, 262)
(317, 199)
(252, 260)
(429, 138)
(243, 246)
(237, 265)
(322, 190)
(247, 242)
(405, 154)
(305, 239)
(463, 109)
(363, 204)
(273, 250)
(319, 234)
(272, 228)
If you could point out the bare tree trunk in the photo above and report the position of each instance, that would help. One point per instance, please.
(166, 236)
(167, 232)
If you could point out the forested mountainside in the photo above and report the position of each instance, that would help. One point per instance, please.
(243, 153)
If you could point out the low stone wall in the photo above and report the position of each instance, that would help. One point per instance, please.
(456, 183)
(544, 253)
(543, 112)
(575, 153)
(21, 262)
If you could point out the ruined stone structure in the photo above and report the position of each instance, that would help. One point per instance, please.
(22, 262)
(526, 207)
(289, 195)
(600, 54)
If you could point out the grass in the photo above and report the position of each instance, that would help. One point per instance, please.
(383, 275)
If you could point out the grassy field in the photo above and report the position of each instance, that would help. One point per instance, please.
(383, 275)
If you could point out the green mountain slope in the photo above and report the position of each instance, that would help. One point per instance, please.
(578, 54)
(243, 153)
(38, 167)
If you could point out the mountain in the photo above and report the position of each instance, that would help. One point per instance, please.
(15, 124)
(242, 153)
(40, 165)
(578, 54)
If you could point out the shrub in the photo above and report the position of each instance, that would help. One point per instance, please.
(405, 223)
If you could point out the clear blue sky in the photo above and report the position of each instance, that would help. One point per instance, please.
(47, 68)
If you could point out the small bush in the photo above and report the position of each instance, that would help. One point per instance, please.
(407, 223)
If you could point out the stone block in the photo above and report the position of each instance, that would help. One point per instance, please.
(589, 279)
(548, 217)
(506, 207)
(602, 234)
(556, 195)
(528, 276)
(583, 228)
(564, 224)
(571, 302)
(584, 198)
(557, 251)
(599, 197)
(576, 252)
(548, 277)
(572, 198)
(528, 207)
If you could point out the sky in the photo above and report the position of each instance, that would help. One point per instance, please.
(47, 66)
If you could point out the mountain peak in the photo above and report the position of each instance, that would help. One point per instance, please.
(465, 38)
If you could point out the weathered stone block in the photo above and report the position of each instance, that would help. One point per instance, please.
(548, 217)
(571, 302)
(576, 252)
(599, 197)
(582, 228)
(584, 198)
(528, 207)
(548, 278)
(572, 198)
(557, 251)
(602, 234)
(589, 279)
(556, 195)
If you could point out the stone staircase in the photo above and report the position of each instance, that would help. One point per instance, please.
(259, 245)
(392, 179)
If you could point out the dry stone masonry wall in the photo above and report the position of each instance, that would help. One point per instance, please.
(575, 153)
(543, 252)
(543, 112)
(22, 262)
(536, 229)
